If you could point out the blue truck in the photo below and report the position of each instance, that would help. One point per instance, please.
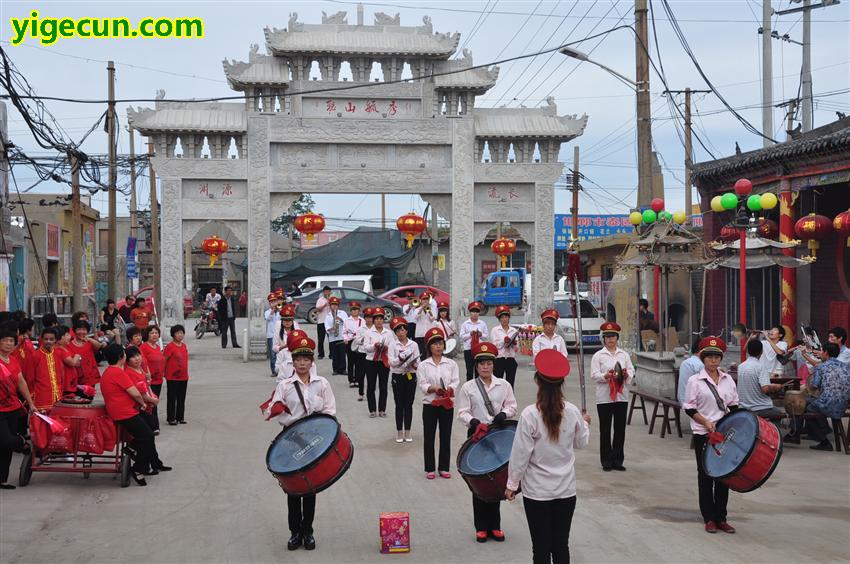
(508, 287)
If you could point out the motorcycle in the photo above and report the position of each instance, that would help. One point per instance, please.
(207, 322)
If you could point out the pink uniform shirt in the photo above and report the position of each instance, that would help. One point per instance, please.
(429, 374)
(497, 337)
(318, 397)
(471, 404)
(698, 396)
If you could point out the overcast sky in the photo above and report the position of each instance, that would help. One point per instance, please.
(722, 35)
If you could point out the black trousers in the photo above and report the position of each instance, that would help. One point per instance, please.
(149, 419)
(549, 523)
(10, 441)
(470, 365)
(360, 371)
(228, 323)
(142, 443)
(351, 363)
(486, 515)
(505, 368)
(175, 405)
(420, 341)
(338, 355)
(376, 373)
(713, 495)
(404, 390)
(817, 428)
(320, 337)
(157, 389)
(432, 417)
(611, 450)
(302, 509)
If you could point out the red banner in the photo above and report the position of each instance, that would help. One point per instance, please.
(53, 235)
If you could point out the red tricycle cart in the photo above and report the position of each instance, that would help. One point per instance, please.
(91, 443)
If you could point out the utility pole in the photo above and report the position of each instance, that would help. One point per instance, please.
(112, 252)
(157, 282)
(689, 149)
(806, 70)
(134, 220)
(767, 75)
(383, 210)
(435, 247)
(76, 237)
(575, 189)
(792, 109)
(644, 111)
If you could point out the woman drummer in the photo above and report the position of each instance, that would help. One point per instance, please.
(710, 394)
(296, 397)
(438, 378)
(501, 336)
(485, 401)
(543, 460)
(404, 358)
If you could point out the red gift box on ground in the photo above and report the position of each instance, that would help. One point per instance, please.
(395, 532)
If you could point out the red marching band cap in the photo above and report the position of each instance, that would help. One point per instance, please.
(294, 336)
(367, 312)
(433, 334)
(711, 345)
(484, 351)
(552, 366)
(610, 328)
(550, 314)
(353, 305)
(442, 305)
(333, 300)
(397, 322)
(503, 310)
(475, 306)
(287, 312)
(301, 346)
(378, 312)
(273, 296)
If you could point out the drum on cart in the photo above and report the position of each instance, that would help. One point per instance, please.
(749, 453)
(310, 455)
(483, 465)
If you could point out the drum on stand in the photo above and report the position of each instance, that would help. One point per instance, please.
(310, 455)
(795, 402)
(483, 465)
(748, 454)
(452, 347)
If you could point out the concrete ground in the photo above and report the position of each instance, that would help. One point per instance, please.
(220, 504)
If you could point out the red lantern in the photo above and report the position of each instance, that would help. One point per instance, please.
(503, 247)
(728, 233)
(813, 228)
(768, 229)
(743, 187)
(309, 224)
(841, 224)
(657, 204)
(411, 225)
(214, 246)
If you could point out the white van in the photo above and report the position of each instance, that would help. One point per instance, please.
(591, 322)
(361, 282)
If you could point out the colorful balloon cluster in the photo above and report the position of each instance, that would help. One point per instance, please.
(743, 189)
(656, 212)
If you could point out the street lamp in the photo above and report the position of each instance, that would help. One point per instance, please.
(579, 55)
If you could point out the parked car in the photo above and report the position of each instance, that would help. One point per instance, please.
(357, 281)
(147, 294)
(591, 322)
(563, 287)
(305, 305)
(399, 295)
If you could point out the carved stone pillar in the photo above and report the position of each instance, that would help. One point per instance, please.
(171, 255)
(259, 228)
(243, 147)
(161, 145)
(188, 146)
(198, 146)
(170, 143)
(249, 100)
(337, 66)
(542, 291)
(463, 244)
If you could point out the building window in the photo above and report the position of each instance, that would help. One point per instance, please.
(102, 242)
(607, 272)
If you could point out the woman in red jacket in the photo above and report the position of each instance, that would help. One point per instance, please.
(156, 366)
(176, 375)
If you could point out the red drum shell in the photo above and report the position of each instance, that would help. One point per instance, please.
(489, 486)
(761, 460)
(321, 473)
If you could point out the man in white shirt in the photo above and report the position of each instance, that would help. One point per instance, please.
(754, 383)
(272, 317)
(472, 331)
(774, 346)
(334, 321)
(690, 366)
(322, 308)
(212, 299)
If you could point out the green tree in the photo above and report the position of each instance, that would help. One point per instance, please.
(302, 205)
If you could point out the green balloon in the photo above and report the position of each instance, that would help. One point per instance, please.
(754, 203)
(664, 215)
(729, 201)
(649, 216)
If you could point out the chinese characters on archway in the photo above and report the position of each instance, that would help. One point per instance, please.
(388, 107)
(224, 190)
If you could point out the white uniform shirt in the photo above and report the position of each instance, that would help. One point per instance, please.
(542, 341)
(424, 321)
(466, 330)
(546, 469)
(284, 367)
(497, 337)
(768, 358)
(329, 325)
(351, 327)
(318, 398)
(449, 328)
(277, 343)
(357, 342)
(471, 405)
(603, 360)
(698, 396)
(371, 338)
(430, 373)
(408, 351)
(409, 312)
(322, 307)
(272, 317)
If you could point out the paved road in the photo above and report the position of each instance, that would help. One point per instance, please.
(221, 505)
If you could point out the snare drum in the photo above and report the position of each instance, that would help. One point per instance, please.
(748, 454)
(483, 465)
(310, 455)
(452, 347)
(795, 402)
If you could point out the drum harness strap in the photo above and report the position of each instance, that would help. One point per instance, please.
(301, 397)
(487, 403)
(720, 404)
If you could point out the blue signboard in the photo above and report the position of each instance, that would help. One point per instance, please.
(132, 265)
(593, 226)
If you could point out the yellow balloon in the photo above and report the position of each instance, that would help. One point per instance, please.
(679, 217)
(716, 205)
(768, 201)
(635, 218)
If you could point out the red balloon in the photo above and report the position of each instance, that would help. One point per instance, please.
(657, 204)
(743, 187)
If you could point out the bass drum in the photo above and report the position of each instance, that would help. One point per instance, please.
(483, 465)
(749, 453)
(452, 347)
(310, 455)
